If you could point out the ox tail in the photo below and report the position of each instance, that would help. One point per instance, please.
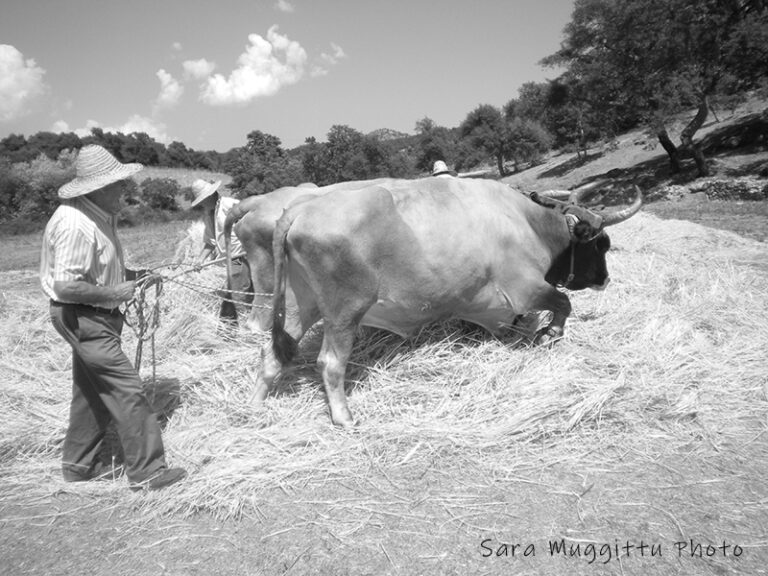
(284, 345)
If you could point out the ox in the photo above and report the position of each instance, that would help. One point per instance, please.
(253, 220)
(408, 253)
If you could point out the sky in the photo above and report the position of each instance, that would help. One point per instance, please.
(207, 73)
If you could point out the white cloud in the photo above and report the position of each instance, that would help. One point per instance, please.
(199, 69)
(263, 69)
(336, 54)
(284, 6)
(60, 127)
(176, 46)
(135, 123)
(20, 82)
(170, 90)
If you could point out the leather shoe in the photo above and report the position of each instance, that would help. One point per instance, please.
(162, 480)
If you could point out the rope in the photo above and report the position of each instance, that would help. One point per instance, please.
(146, 318)
(145, 322)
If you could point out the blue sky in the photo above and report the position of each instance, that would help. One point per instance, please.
(207, 73)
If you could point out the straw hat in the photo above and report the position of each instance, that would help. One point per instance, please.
(95, 168)
(203, 189)
(439, 167)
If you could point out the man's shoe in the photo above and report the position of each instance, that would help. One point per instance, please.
(164, 479)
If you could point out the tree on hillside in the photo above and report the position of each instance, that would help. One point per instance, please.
(526, 141)
(653, 58)
(140, 147)
(179, 156)
(258, 166)
(434, 143)
(343, 158)
(311, 160)
(484, 129)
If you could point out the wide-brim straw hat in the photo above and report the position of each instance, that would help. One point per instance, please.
(95, 168)
(440, 167)
(203, 189)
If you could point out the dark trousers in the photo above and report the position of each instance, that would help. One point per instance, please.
(242, 289)
(105, 387)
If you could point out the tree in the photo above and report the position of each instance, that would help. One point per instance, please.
(311, 160)
(526, 141)
(344, 159)
(653, 58)
(179, 156)
(14, 148)
(484, 128)
(160, 193)
(435, 143)
(139, 147)
(258, 166)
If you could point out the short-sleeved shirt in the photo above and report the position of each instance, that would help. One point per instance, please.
(80, 244)
(223, 206)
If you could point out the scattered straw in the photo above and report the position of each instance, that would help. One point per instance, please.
(672, 352)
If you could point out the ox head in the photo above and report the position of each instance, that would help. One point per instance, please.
(583, 264)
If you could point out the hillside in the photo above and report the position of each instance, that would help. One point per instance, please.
(736, 145)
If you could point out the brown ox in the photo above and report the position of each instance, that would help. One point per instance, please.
(401, 255)
(254, 221)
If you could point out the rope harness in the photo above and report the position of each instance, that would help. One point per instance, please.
(142, 313)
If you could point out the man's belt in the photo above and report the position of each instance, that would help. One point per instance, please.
(108, 311)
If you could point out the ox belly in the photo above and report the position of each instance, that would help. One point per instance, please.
(405, 320)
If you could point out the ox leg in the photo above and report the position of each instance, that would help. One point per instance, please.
(266, 375)
(334, 354)
(297, 323)
(558, 303)
(260, 317)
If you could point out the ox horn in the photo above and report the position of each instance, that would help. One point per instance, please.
(555, 194)
(578, 194)
(614, 217)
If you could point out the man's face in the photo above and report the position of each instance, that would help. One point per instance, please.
(209, 204)
(108, 198)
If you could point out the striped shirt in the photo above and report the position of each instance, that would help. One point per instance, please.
(80, 244)
(223, 206)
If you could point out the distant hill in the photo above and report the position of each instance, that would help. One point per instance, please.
(386, 134)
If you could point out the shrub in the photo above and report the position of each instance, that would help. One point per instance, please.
(160, 193)
(35, 185)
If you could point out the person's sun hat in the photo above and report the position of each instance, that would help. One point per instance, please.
(203, 189)
(440, 167)
(95, 168)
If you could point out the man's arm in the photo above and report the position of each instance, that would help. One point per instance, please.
(205, 254)
(84, 293)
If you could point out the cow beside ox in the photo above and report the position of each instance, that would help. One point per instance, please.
(399, 254)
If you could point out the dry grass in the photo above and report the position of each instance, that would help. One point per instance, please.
(671, 355)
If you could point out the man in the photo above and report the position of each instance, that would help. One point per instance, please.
(215, 209)
(82, 272)
(439, 168)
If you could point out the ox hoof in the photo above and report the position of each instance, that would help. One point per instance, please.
(548, 336)
(346, 421)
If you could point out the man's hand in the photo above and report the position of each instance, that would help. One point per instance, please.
(137, 274)
(124, 291)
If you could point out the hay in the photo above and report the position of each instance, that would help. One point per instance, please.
(671, 355)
